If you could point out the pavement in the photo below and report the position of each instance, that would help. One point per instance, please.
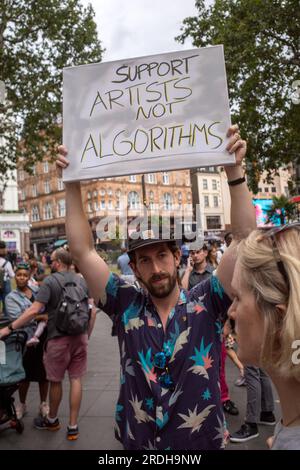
(100, 393)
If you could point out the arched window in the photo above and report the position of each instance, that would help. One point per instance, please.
(167, 201)
(133, 200)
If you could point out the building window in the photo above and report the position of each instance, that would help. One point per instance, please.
(61, 208)
(102, 192)
(47, 187)
(89, 195)
(90, 207)
(110, 204)
(35, 215)
(166, 179)
(133, 200)
(273, 189)
(216, 201)
(46, 167)
(214, 185)
(266, 190)
(260, 190)
(48, 211)
(179, 197)
(118, 193)
(213, 222)
(23, 195)
(151, 195)
(167, 201)
(152, 205)
(95, 193)
(132, 178)
(286, 190)
(205, 184)
(96, 206)
(206, 201)
(102, 202)
(34, 190)
(151, 178)
(60, 184)
(34, 170)
(109, 192)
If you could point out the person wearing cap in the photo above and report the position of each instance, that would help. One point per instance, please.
(169, 338)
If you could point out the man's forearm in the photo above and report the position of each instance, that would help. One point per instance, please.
(242, 210)
(78, 231)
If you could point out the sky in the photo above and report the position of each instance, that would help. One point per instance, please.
(134, 28)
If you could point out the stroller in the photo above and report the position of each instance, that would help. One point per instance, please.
(11, 374)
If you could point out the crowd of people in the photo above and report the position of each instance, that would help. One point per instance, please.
(240, 300)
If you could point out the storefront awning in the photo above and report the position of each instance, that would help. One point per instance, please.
(60, 243)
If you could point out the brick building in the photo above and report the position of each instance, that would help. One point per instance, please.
(42, 196)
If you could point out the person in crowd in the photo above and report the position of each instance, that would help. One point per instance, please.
(230, 343)
(123, 263)
(266, 311)
(212, 257)
(158, 328)
(17, 302)
(185, 253)
(197, 269)
(228, 237)
(6, 274)
(64, 352)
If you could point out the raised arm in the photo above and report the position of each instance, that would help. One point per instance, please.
(242, 210)
(80, 239)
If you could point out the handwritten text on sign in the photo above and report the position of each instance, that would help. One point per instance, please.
(148, 114)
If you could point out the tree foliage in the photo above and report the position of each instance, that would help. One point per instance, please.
(261, 44)
(37, 39)
(281, 207)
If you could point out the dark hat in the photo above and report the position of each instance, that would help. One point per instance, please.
(147, 237)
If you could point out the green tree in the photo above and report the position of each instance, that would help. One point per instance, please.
(282, 208)
(261, 44)
(37, 39)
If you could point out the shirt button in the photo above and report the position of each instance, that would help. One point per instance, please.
(158, 439)
(159, 325)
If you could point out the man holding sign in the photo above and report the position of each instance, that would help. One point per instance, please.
(169, 338)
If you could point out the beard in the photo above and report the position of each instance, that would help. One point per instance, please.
(161, 290)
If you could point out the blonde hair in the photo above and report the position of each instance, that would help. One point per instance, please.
(261, 275)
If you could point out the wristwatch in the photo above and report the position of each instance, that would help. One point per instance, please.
(10, 327)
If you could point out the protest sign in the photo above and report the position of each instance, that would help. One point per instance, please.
(148, 114)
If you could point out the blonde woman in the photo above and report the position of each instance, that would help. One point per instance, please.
(266, 308)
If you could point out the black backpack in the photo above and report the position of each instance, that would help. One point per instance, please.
(73, 312)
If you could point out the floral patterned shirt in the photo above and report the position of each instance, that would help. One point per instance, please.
(189, 416)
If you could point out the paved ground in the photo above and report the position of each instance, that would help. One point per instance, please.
(99, 397)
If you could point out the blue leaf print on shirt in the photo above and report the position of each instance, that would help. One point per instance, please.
(149, 403)
(206, 395)
(216, 286)
(112, 285)
(119, 408)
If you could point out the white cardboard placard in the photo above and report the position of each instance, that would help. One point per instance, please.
(146, 114)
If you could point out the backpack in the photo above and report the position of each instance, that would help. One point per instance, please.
(73, 312)
(2, 275)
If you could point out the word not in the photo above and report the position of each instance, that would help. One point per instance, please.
(153, 140)
(161, 69)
